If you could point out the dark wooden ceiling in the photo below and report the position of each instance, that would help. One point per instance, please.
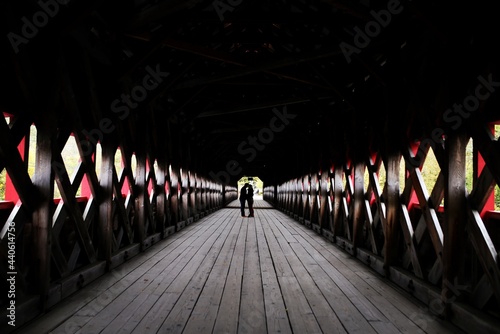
(233, 69)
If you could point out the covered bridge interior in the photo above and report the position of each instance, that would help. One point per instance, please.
(375, 123)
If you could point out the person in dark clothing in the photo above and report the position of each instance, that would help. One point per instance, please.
(243, 198)
(250, 200)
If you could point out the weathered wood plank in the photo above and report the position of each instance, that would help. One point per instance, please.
(369, 284)
(108, 288)
(189, 288)
(354, 311)
(313, 281)
(252, 317)
(227, 318)
(276, 312)
(204, 313)
(227, 274)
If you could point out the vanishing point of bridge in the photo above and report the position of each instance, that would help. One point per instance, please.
(126, 126)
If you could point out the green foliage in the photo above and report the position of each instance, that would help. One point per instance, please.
(430, 171)
(497, 198)
(2, 185)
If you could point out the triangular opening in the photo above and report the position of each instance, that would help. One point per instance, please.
(469, 166)
(71, 156)
(382, 176)
(155, 167)
(150, 188)
(32, 151)
(84, 188)
(403, 175)
(430, 170)
(119, 165)
(98, 160)
(497, 198)
(3, 178)
(133, 164)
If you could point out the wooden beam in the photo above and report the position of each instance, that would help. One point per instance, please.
(428, 211)
(410, 241)
(120, 206)
(69, 197)
(485, 248)
(141, 197)
(260, 106)
(42, 215)
(392, 227)
(174, 198)
(454, 222)
(483, 189)
(159, 11)
(248, 70)
(358, 198)
(324, 213)
(348, 8)
(106, 203)
(489, 149)
(16, 168)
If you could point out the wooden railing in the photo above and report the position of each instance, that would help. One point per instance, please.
(58, 245)
(439, 244)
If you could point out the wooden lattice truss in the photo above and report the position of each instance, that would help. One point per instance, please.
(451, 247)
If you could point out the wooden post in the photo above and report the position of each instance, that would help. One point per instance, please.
(313, 195)
(324, 220)
(161, 200)
(295, 196)
(393, 207)
(185, 194)
(455, 215)
(197, 195)
(306, 192)
(358, 216)
(337, 200)
(141, 197)
(106, 203)
(42, 216)
(174, 199)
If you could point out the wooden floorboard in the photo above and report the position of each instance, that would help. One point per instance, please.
(229, 274)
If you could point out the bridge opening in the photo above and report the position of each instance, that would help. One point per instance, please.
(256, 183)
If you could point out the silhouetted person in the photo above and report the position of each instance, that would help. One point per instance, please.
(250, 200)
(243, 198)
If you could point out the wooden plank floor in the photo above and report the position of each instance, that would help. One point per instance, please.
(228, 274)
